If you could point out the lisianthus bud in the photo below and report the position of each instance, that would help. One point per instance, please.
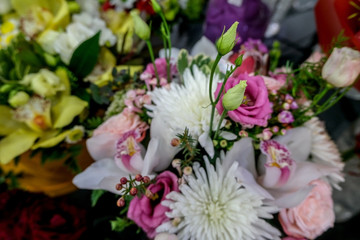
(233, 98)
(239, 60)
(155, 6)
(142, 30)
(342, 68)
(19, 99)
(227, 40)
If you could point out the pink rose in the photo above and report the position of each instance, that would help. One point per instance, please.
(103, 142)
(256, 108)
(149, 213)
(342, 68)
(313, 216)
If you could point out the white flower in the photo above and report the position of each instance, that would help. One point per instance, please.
(182, 106)
(187, 105)
(215, 205)
(84, 26)
(120, 5)
(324, 150)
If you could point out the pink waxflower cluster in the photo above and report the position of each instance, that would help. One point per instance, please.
(149, 75)
(136, 99)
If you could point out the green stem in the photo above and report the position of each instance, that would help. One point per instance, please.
(218, 57)
(168, 39)
(331, 103)
(217, 60)
(224, 113)
(148, 43)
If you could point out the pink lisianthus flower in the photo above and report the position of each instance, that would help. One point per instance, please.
(313, 216)
(149, 74)
(255, 109)
(148, 213)
(274, 82)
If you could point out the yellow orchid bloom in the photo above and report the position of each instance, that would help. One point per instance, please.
(38, 119)
(42, 15)
(122, 25)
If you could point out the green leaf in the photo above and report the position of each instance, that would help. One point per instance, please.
(101, 95)
(182, 62)
(95, 195)
(119, 224)
(85, 56)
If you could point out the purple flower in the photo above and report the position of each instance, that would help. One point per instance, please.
(255, 45)
(255, 109)
(285, 117)
(252, 15)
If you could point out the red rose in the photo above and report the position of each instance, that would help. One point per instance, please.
(53, 219)
(34, 216)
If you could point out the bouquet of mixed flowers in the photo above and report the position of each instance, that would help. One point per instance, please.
(222, 145)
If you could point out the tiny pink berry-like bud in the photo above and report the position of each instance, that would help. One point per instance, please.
(138, 177)
(118, 186)
(243, 133)
(187, 170)
(275, 129)
(146, 179)
(123, 180)
(133, 191)
(176, 163)
(120, 202)
(283, 131)
(175, 142)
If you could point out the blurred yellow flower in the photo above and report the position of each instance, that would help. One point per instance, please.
(52, 178)
(38, 123)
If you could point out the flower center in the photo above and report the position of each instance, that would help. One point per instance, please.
(214, 211)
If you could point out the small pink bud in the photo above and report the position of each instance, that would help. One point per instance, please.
(275, 129)
(118, 186)
(138, 177)
(243, 133)
(120, 202)
(123, 180)
(133, 191)
(175, 142)
(146, 179)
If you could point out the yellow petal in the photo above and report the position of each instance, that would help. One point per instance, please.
(51, 141)
(133, 68)
(15, 144)
(66, 110)
(62, 74)
(58, 8)
(7, 123)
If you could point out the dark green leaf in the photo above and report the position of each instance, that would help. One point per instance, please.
(85, 56)
(119, 224)
(95, 195)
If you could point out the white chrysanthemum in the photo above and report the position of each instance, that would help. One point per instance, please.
(214, 205)
(324, 150)
(187, 105)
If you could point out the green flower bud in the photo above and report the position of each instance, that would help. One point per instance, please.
(18, 99)
(239, 60)
(6, 88)
(233, 97)
(50, 59)
(141, 28)
(227, 40)
(156, 6)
